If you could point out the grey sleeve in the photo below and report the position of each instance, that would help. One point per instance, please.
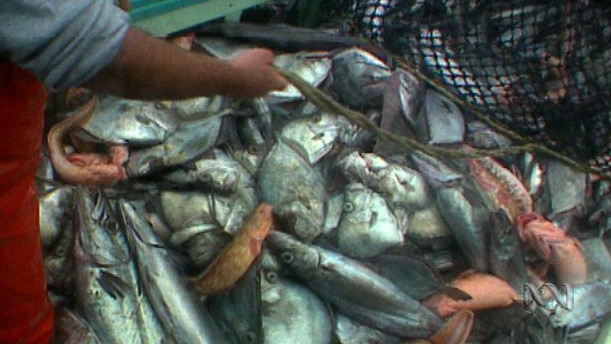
(64, 43)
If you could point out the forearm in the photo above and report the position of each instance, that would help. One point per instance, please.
(151, 68)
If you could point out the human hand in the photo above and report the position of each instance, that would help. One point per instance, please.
(255, 76)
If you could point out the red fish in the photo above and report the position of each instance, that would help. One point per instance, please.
(503, 187)
(235, 259)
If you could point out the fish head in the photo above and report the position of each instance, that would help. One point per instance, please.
(293, 253)
(96, 230)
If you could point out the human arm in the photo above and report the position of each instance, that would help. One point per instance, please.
(151, 68)
(72, 43)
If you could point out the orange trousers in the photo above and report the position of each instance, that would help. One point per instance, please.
(26, 314)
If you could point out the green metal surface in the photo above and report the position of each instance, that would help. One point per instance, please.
(163, 17)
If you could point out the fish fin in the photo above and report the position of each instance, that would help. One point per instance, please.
(456, 293)
(456, 330)
(113, 285)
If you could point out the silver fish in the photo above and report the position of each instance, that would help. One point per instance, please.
(427, 227)
(367, 226)
(356, 76)
(313, 67)
(353, 289)
(315, 135)
(402, 187)
(481, 136)
(58, 262)
(295, 189)
(469, 221)
(566, 188)
(56, 208)
(198, 108)
(220, 47)
(505, 258)
(309, 320)
(208, 174)
(349, 331)
(133, 122)
(440, 121)
(238, 311)
(103, 292)
(187, 142)
(184, 319)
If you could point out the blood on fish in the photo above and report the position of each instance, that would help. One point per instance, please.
(90, 170)
(503, 187)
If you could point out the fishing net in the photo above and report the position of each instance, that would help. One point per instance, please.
(541, 69)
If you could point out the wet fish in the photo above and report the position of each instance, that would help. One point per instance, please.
(440, 121)
(414, 276)
(291, 312)
(314, 67)
(357, 77)
(208, 174)
(355, 290)
(184, 145)
(469, 220)
(184, 319)
(56, 208)
(235, 259)
(288, 182)
(198, 108)
(103, 292)
(481, 136)
(428, 228)
(436, 172)
(58, 261)
(219, 47)
(238, 311)
(566, 188)
(133, 122)
(402, 187)
(367, 226)
(315, 135)
(349, 331)
(505, 253)
(403, 97)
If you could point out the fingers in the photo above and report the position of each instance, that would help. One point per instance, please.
(257, 75)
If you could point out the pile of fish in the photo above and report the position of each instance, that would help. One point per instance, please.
(368, 243)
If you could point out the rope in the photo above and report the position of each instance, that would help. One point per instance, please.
(324, 102)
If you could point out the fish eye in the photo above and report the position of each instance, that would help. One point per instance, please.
(316, 119)
(287, 257)
(348, 207)
(271, 276)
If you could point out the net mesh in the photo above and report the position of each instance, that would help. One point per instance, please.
(539, 68)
